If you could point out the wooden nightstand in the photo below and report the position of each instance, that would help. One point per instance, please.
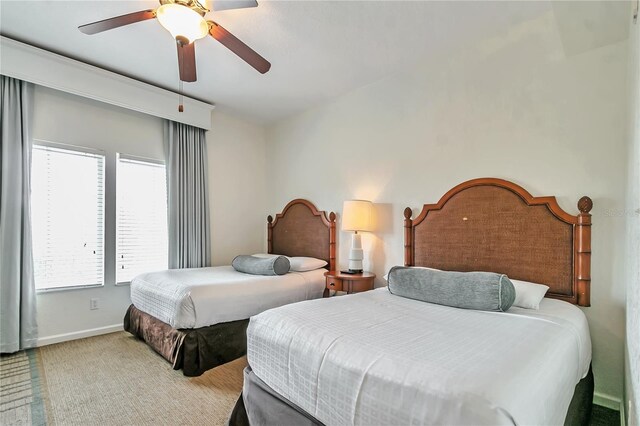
(351, 283)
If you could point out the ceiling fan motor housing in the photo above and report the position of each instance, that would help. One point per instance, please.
(191, 4)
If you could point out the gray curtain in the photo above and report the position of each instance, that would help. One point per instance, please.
(188, 197)
(18, 329)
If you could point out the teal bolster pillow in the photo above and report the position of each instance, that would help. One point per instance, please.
(483, 291)
(277, 265)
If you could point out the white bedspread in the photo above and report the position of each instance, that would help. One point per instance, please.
(378, 359)
(199, 297)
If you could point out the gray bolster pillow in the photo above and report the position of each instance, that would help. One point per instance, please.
(483, 291)
(261, 266)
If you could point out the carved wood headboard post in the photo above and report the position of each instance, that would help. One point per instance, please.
(332, 241)
(583, 251)
(269, 234)
(408, 258)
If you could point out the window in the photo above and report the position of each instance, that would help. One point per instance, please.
(141, 244)
(67, 213)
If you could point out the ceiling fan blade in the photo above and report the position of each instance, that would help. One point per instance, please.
(187, 62)
(219, 5)
(117, 21)
(232, 43)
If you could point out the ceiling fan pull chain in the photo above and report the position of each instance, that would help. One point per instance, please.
(180, 105)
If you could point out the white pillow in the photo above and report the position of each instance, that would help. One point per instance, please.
(303, 264)
(299, 263)
(529, 295)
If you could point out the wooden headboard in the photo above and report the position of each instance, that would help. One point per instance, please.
(495, 225)
(302, 230)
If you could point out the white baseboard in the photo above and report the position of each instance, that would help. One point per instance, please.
(58, 338)
(607, 401)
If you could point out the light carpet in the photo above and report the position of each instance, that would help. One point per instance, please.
(116, 379)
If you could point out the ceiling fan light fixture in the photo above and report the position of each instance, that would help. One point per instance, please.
(182, 22)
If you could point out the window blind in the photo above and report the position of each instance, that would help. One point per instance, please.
(142, 232)
(67, 202)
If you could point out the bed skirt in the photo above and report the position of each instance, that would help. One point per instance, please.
(260, 405)
(192, 350)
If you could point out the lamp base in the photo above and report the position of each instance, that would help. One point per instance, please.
(356, 254)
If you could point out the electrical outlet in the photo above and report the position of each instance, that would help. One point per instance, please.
(93, 304)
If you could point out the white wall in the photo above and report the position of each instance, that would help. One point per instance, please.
(513, 107)
(69, 119)
(237, 159)
(632, 214)
(237, 187)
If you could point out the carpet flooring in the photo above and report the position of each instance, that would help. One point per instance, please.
(116, 379)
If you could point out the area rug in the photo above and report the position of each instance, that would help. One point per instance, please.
(21, 401)
(114, 379)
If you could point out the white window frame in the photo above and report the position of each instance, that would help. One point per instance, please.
(120, 155)
(109, 213)
(93, 151)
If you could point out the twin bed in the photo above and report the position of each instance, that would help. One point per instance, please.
(378, 358)
(197, 318)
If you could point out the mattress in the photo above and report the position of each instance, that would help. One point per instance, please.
(200, 297)
(377, 358)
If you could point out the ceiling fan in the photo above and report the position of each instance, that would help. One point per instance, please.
(184, 19)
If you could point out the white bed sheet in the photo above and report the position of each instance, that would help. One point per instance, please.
(375, 359)
(199, 297)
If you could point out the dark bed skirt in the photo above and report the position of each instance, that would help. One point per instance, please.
(266, 407)
(192, 350)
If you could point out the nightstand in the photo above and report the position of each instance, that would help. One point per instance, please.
(351, 283)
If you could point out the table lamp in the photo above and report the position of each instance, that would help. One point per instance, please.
(356, 216)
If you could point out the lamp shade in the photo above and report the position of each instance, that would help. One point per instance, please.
(356, 215)
(182, 21)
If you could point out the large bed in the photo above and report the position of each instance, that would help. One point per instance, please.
(377, 358)
(197, 318)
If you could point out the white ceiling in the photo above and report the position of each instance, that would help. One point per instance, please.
(318, 49)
